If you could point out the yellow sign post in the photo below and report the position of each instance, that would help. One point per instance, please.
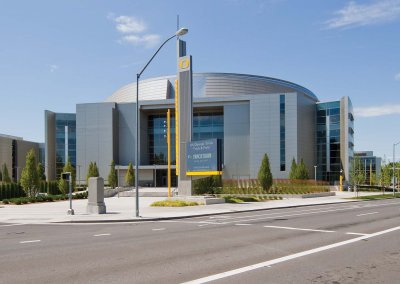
(169, 150)
(341, 182)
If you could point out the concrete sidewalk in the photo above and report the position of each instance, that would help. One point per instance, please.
(123, 209)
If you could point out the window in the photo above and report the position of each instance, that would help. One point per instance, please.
(282, 107)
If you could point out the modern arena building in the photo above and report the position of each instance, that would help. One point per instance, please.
(253, 115)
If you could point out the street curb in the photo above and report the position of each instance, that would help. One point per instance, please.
(197, 215)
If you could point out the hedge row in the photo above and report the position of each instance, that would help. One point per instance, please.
(14, 190)
(11, 190)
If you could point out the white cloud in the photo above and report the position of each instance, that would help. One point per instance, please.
(126, 25)
(133, 31)
(377, 111)
(397, 77)
(54, 68)
(354, 14)
(149, 40)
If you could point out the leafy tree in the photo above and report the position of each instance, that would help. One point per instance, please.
(63, 185)
(293, 169)
(357, 173)
(40, 170)
(301, 170)
(6, 175)
(385, 177)
(130, 175)
(264, 174)
(29, 178)
(373, 178)
(93, 171)
(112, 176)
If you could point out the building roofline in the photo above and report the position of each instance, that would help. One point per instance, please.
(257, 77)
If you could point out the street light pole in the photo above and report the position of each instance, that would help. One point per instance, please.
(180, 32)
(315, 173)
(394, 161)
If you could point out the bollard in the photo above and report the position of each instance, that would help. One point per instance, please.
(96, 203)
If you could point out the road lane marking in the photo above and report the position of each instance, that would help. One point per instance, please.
(286, 258)
(339, 207)
(358, 234)
(26, 242)
(213, 223)
(158, 229)
(202, 225)
(299, 229)
(101, 235)
(367, 214)
(238, 224)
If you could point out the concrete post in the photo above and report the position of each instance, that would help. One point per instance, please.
(96, 203)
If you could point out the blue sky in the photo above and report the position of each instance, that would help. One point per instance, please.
(55, 54)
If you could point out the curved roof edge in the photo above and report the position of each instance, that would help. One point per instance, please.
(265, 78)
(281, 82)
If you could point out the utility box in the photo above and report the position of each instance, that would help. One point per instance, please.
(96, 203)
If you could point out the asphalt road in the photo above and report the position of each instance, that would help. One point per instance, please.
(341, 243)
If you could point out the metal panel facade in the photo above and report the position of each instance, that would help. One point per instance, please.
(95, 141)
(236, 140)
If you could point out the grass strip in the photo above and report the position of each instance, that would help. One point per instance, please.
(173, 203)
(377, 197)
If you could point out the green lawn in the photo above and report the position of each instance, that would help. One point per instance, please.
(378, 197)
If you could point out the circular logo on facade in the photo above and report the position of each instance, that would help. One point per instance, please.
(184, 63)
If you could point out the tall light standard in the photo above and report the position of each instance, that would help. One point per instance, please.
(394, 161)
(315, 173)
(180, 32)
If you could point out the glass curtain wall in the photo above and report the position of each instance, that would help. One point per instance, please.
(328, 141)
(65, 141)
(206, 125)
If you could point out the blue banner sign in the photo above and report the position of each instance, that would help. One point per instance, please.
(204, 157)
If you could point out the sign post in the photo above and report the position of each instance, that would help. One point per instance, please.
(68, 176)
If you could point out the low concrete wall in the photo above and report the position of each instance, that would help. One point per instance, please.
(203, 200)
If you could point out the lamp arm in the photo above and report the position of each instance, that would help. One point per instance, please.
(154, 55)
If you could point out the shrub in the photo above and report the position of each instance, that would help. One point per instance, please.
(264, 174)
(208, 185)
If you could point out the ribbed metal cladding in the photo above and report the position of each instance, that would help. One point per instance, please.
(210, 85)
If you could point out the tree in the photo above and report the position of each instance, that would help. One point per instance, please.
(1, 176)
(93, 171)
(6, 175)
(385, 177)
(293, 169)
(301, 170)
(373, 179)
(63, 185)
(357, 174)
(112, 176)
(264, 174)
(40, 170)
(130, 175)
(29, 177)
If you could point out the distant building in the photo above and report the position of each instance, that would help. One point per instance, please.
(60, 142)
(370, 164)
(13, 151)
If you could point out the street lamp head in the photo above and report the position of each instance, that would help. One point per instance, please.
(182, 32)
